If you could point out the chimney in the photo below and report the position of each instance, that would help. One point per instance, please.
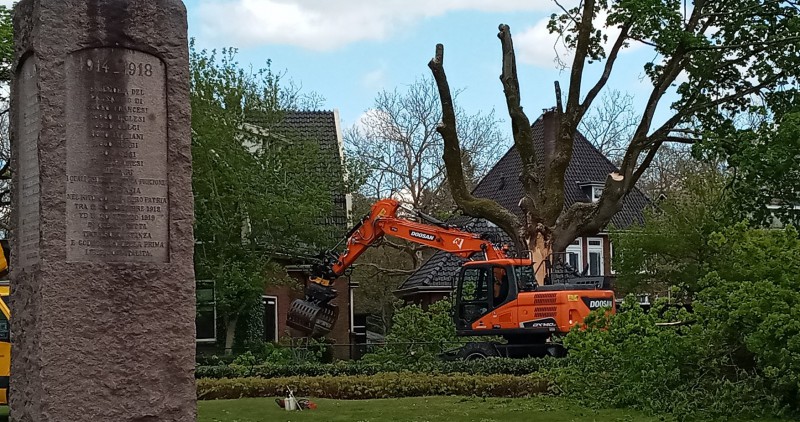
(549, 130)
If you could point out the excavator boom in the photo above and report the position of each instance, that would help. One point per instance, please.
(315, 315)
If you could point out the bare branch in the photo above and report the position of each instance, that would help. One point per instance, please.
(646, 162)
(386, 271)
(581, 51)
(476, 207)
(645, 42)
(566, 12)
(681, 140)
(612, 57)
(520, 125)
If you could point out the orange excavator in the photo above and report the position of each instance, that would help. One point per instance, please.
(495, 295)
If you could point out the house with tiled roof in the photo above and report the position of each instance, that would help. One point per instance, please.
(323, 128)
(584, 180)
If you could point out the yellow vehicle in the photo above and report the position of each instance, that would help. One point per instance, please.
(5, 332)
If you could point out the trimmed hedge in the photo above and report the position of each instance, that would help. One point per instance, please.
(476, 367)
(388, 385)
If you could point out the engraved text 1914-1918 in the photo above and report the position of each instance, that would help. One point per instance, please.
(117, 176)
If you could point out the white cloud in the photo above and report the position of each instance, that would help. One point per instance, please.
(374, 80)
(536, 46)
(8, 3)
(327, 25)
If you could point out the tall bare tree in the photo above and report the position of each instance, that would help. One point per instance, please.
(609, 125)
(398, 142)
(731, 53)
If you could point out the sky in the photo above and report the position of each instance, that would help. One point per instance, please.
(349, 50)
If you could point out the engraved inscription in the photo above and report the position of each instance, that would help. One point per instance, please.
(117, 206)
(29, 125)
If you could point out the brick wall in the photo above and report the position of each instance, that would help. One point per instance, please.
(341, 330)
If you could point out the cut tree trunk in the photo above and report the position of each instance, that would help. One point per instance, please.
(541, 248)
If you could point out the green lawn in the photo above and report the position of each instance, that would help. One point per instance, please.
(431, 409)
(414, 409)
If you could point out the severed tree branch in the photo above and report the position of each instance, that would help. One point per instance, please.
(520, 124)
(471, 205)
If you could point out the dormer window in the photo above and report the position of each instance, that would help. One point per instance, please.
(592, 190)
(597, 192)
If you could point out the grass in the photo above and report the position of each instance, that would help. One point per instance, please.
(414, 409)
(419, 409)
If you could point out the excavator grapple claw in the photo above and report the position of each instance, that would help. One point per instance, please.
(313, 320)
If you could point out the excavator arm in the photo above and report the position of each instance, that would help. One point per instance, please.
(315, 315)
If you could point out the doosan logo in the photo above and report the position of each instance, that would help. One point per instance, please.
(604, 303)
(421, 235)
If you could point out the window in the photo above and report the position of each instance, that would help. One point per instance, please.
(474, 287)
(206, 318)
(597, 192)
(525, 277)
(473, 295)
(575, 255)
(595, 250)
(270, 318)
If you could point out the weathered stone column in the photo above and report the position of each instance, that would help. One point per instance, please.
(102, 277)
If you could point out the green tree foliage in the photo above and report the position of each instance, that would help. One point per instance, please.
(764, 156)
(6, 43)
(257, 192)
(715, 64)
(671, 247)
(6, 62)
(737, 354)
(418, 334)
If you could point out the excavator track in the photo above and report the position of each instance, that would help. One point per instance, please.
(312, 319)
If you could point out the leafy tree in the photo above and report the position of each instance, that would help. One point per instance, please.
(735, 58)
(257, 192)
(736, 355)
(671, 247)
(6, 62)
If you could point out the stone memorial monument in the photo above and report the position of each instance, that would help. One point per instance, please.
(102, 277)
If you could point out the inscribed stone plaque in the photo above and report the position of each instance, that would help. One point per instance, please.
(29, 125)
(116, 141)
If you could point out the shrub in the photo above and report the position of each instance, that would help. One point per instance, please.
(489, 366)
(388, 385)
(418, 334)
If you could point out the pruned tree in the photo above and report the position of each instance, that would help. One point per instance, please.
(729, 53)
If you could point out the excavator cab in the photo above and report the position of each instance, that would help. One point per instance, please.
(484, 286)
